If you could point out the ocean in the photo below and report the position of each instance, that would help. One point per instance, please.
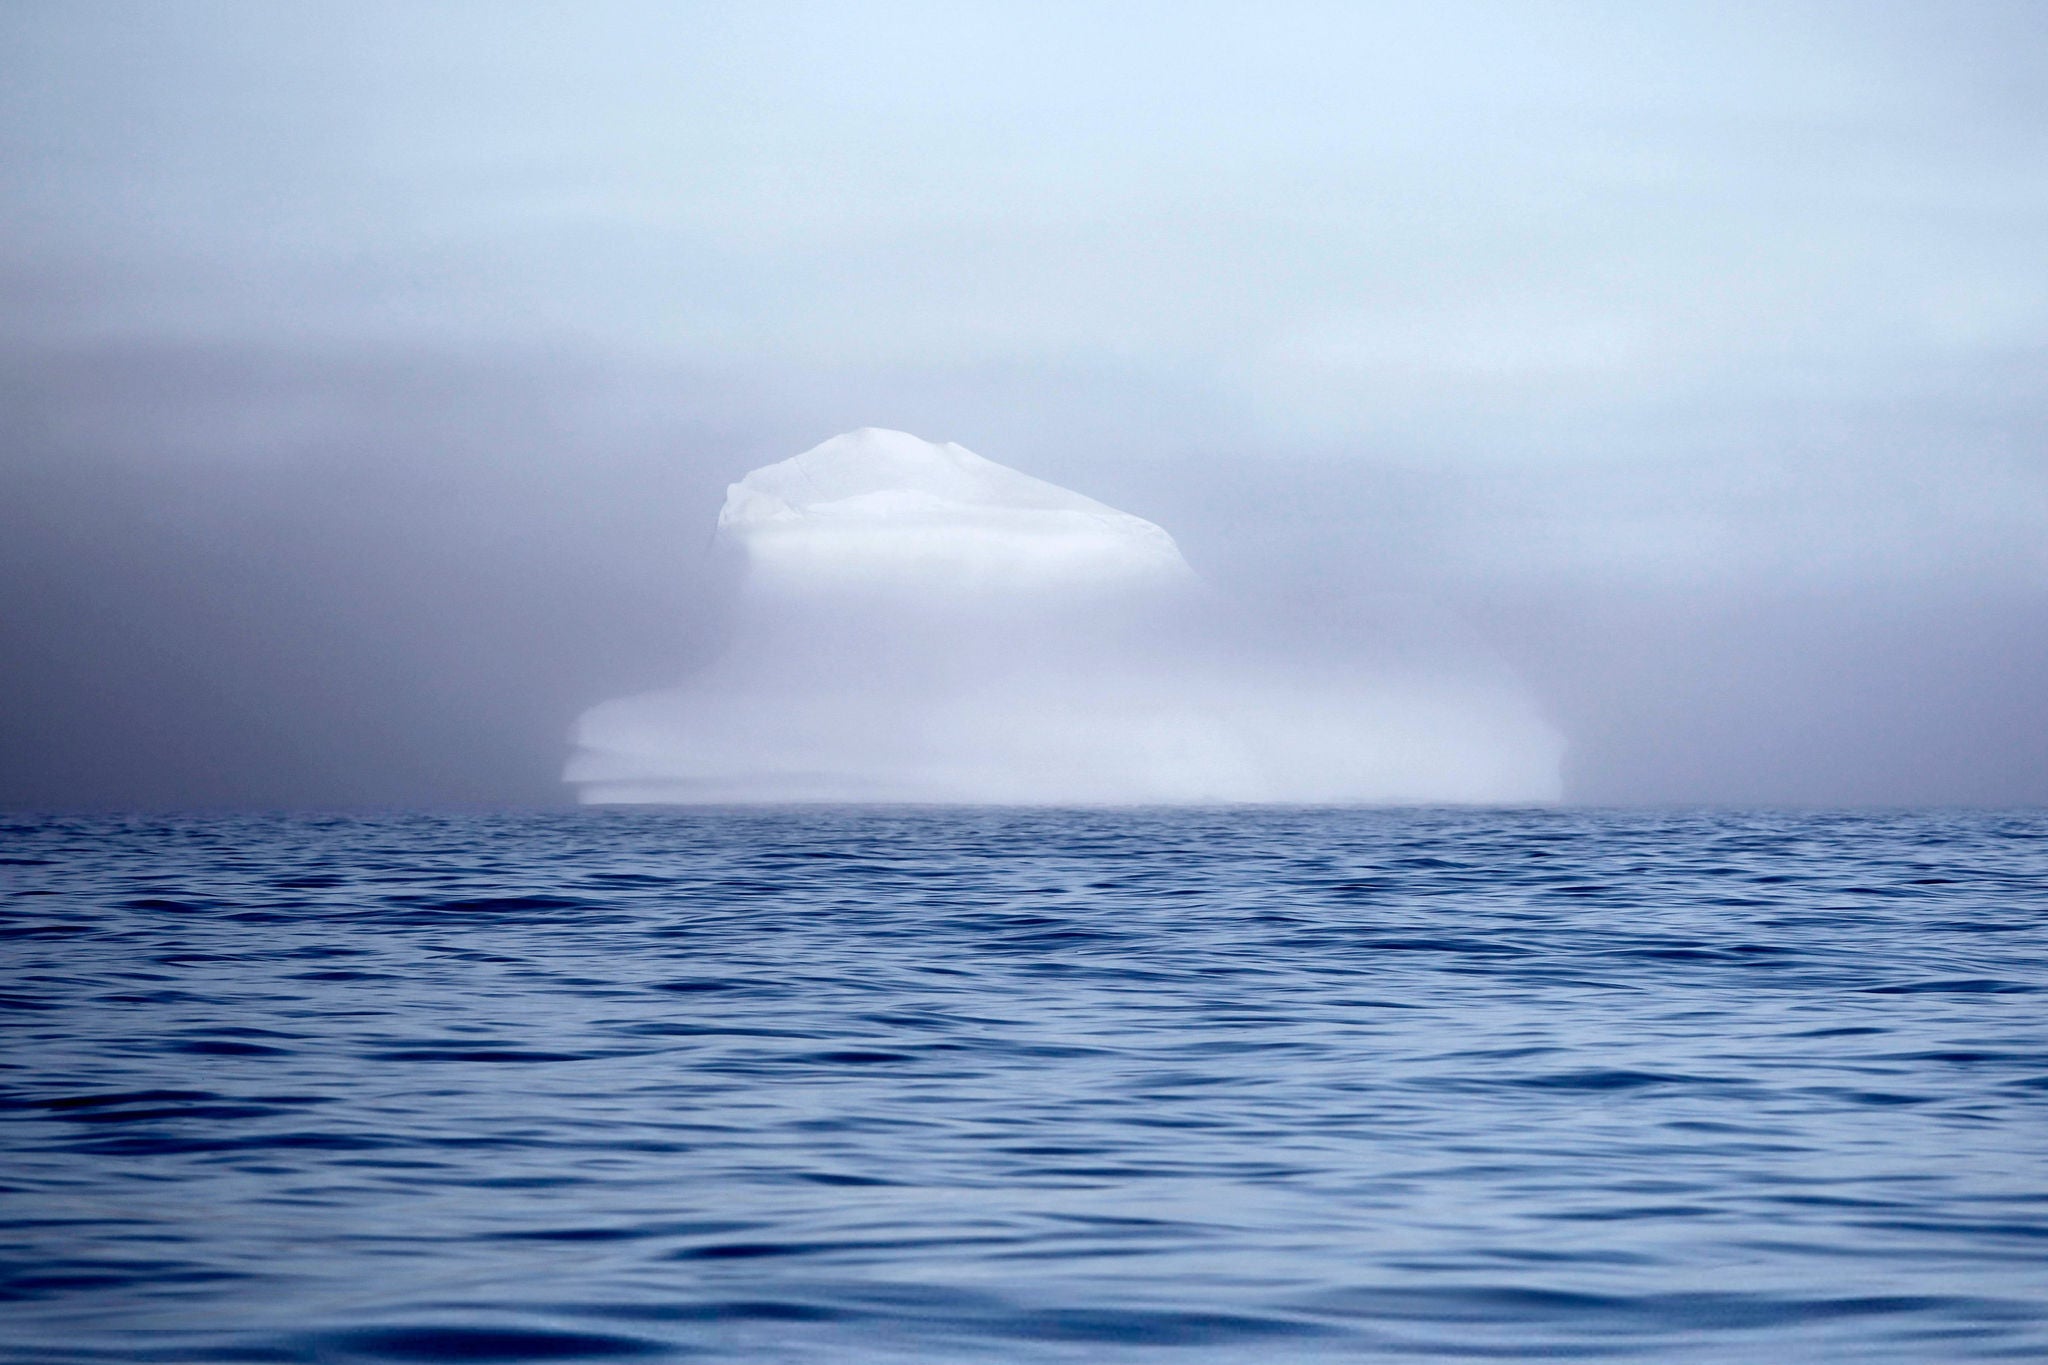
(877, 1084)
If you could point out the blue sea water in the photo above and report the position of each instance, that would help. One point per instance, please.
(1025, 1085)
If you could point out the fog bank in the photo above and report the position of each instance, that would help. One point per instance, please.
(366, 371)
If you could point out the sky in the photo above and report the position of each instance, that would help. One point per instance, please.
(370, 374)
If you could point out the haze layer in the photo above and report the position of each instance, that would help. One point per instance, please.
(917, 623)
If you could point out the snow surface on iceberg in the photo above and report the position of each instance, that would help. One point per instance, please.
(884, 510)
(917, 623)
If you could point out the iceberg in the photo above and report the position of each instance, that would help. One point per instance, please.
(883, 510)
(915, 623)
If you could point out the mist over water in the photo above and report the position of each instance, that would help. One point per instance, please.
(365, 379)
(1627, 417)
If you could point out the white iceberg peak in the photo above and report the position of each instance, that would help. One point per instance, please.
(877, 460)
(884, 507)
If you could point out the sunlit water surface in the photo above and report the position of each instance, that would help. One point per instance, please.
(851, 1085)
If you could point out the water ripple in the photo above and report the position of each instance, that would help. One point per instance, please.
(1019, 1085)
